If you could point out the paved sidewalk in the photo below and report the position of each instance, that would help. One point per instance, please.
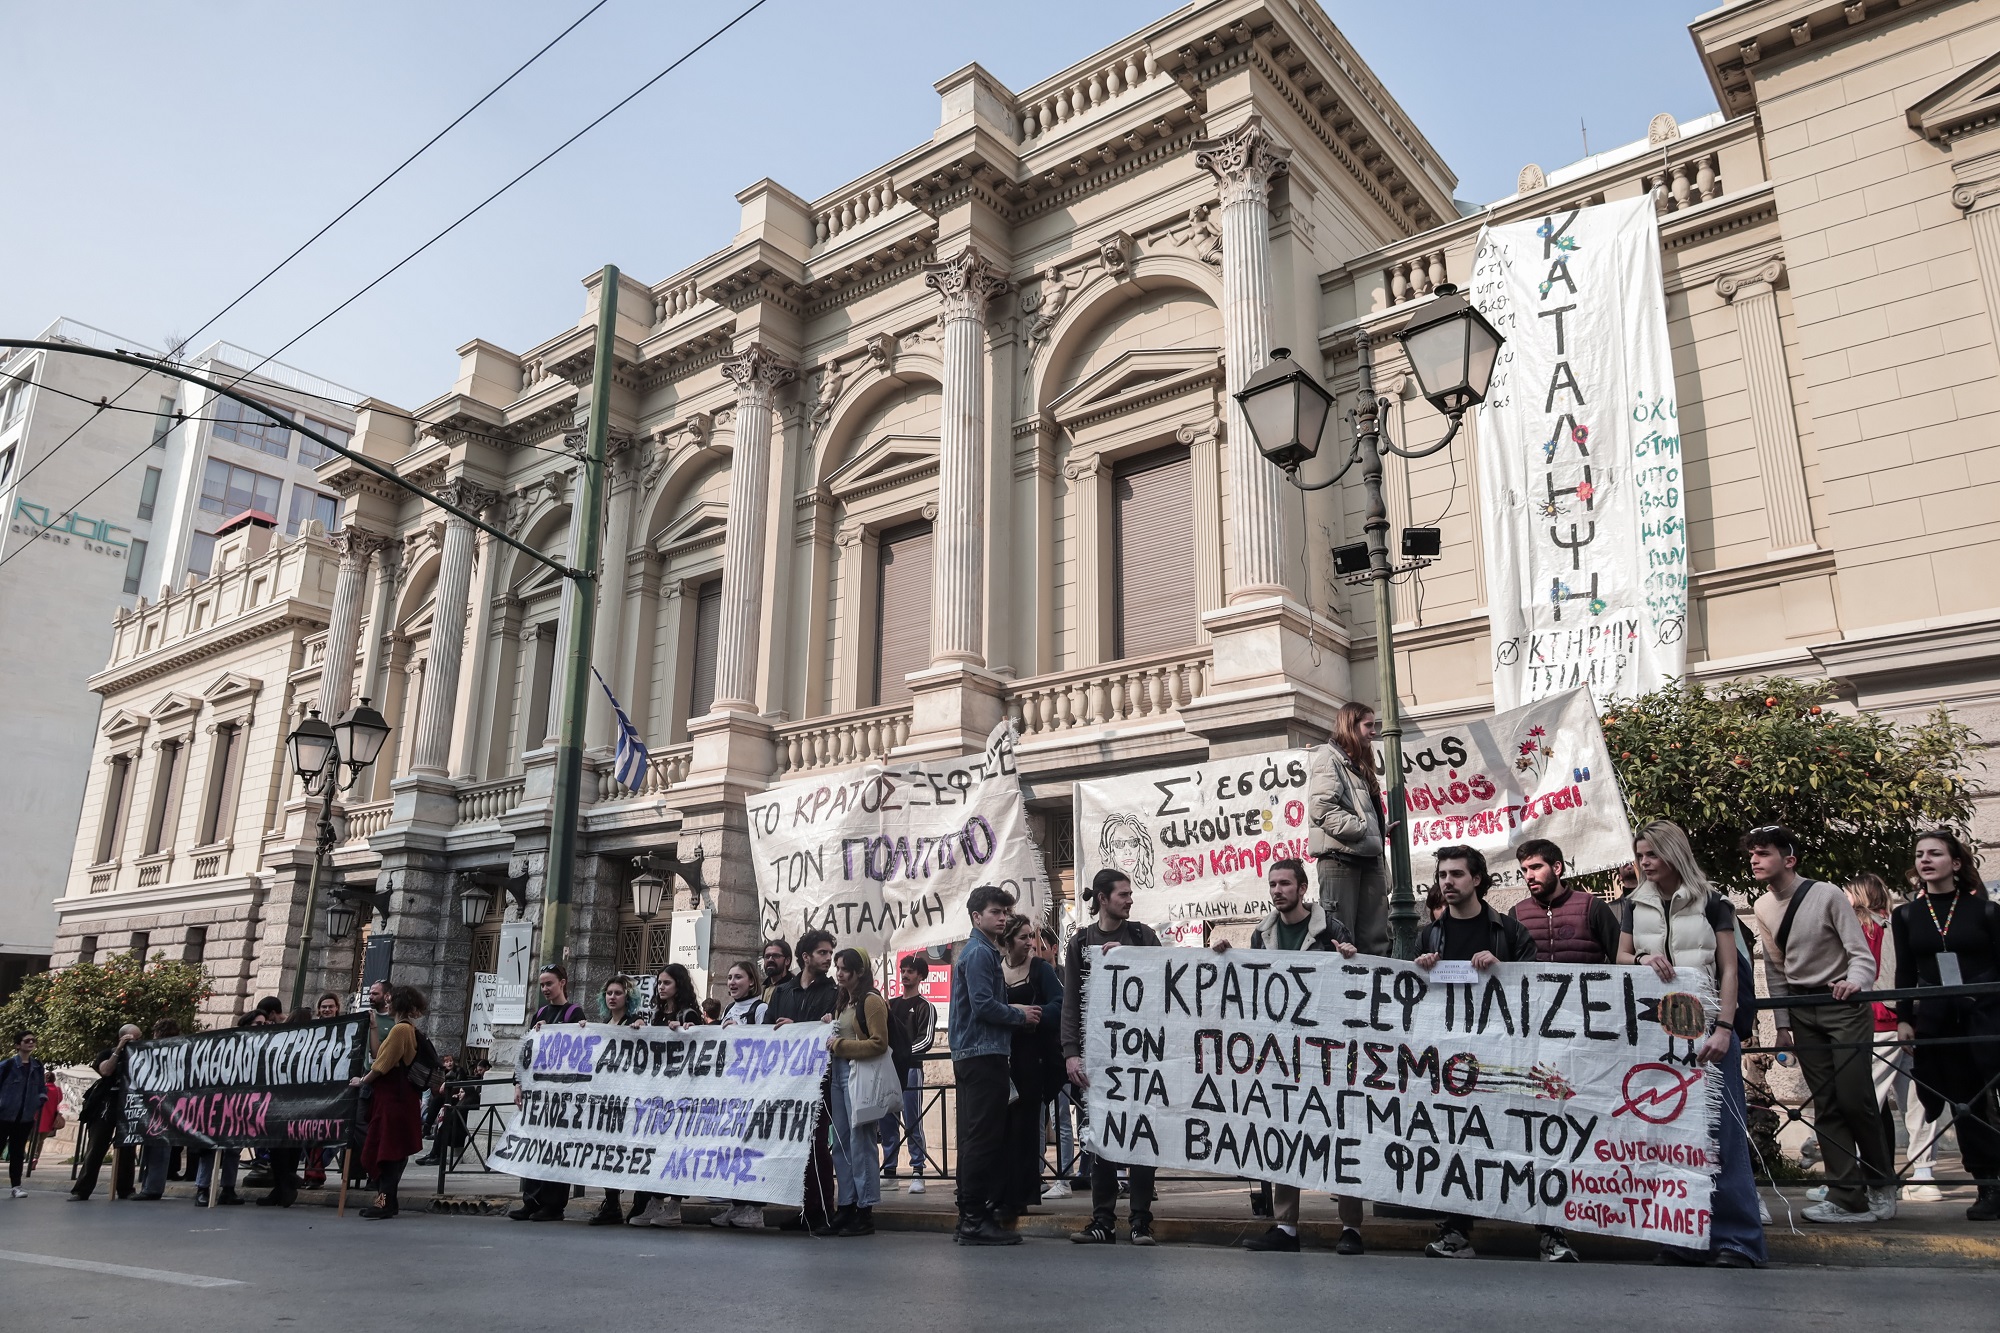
(1218, 1213)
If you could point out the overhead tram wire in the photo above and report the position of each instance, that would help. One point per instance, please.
(612, 110)
(181, 346)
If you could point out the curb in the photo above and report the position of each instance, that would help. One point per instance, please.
(1836, 1249)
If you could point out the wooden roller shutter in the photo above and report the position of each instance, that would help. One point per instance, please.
(707, 630)
(902, 611)
(1153, 597)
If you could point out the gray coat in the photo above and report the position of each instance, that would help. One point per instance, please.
(1345, 820)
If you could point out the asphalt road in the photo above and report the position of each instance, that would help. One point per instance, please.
(303, 1269)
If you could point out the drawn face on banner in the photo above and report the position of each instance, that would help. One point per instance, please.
(1127, 848)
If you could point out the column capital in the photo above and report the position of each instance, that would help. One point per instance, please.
(355, 545)
(467, 495)
(1245, 160)
(965, 283)
(1755, 280)
(758, 372)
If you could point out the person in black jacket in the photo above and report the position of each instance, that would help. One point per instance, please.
(811, 997)
(545, 1200)
(102, 1115)
(1470, 931)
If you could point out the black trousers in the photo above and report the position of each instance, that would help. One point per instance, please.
(545, 1196)
(97, 1139)
(388, 1175)
(285, 1171)
(1104, 1191)
(18, 1134)
(820, 1195)
(982, 1130)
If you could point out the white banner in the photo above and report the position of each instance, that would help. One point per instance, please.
(1580, 458)
(479, 1015)
(884, 856)
(1541, 771)
(727, 1112)
(1195, 841)
(1543, 1093)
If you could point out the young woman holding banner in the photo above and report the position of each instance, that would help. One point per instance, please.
(395, 1111)
(674, 1007)
(1676, 919)
(614, 1005)
(860, 1032)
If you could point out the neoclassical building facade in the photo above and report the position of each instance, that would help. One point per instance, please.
(955, 442)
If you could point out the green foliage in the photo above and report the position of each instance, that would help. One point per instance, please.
(77, 1012)
(1856, 788)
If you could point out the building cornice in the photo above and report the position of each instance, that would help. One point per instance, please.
(273, 618)
(1740, 43)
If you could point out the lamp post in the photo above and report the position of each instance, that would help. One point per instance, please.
(317, 752)
(1452, 351)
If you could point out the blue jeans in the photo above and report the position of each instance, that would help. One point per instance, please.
(1733, 1223)
(908, 1122)
(857, 1165)
(206, 1167)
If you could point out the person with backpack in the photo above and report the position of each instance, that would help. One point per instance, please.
(1813, 943)
(405, 1065)
(24, 1083)
(545, 1200)
(913, 1031)
(1676, 919)
(102, 1113)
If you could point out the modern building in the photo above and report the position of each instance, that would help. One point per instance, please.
(104, 509)
(954, 442)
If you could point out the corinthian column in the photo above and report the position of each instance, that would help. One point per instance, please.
(964, 285)
(454, 587)
(757, 374)
(1244, 162)
(357, 546)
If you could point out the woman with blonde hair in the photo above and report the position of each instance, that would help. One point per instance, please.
(1344, 807)
(1869, 893)
(1676, 921)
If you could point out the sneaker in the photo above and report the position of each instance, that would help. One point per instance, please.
(607, 1215)
(748, 1216)
(1829, 1211)
(20, 1193)
(721, 1217)
(1275, 1241)
(1097, 1233)
(669, 1214)
(1763, 1213)
(1922, 1191)
(645, 1216)
(916, 1185)
(200, 1198)
(1817, 1193)
(1142, 1231)
(1059, 1190)
(1882, 1203)
(1450, 1245)
(1350, 1242)
(1556, 1248)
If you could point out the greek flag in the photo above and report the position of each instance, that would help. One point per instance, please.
(631, 750)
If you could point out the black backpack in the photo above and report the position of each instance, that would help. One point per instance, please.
(425, 1071)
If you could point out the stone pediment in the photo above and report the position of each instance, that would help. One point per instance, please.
(124, 722)
(701, 526)
(1969, 102)
(1137, 379)
(232, 687)
(884, 462)
(176, 705)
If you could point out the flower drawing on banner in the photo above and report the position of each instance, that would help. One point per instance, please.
(1598, 606)
(1584, 491)
(1534, 752)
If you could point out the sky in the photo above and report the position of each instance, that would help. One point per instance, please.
(155, 160)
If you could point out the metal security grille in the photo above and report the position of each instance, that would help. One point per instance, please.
(1153, 558)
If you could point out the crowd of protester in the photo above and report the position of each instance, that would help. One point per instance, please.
(1016, 1035)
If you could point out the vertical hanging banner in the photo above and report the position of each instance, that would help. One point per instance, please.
(1556, 1094)
(1539, 771)
(1196, 842)
(1580, 458)
(884, 856)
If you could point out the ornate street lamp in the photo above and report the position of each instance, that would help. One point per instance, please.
(648, 889)
(1452, 351)
(316, 751)
(475, 903)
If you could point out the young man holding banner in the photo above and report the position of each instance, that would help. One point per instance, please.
(1111, 891)
(1471, 932)
(1295, 925)
(982, 1044)
(1569, 926)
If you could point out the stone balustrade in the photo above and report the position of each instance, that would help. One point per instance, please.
(316, 650)
(208, 866)
(1046, 111)
(853, 210)
(675, 301)
(365, 820)
(1121, 694)
(841, 742)
(482, 802)
(1418, 275)
(1684, 184)
(665, 770)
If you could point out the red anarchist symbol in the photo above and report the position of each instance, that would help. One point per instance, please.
(1660, 1094)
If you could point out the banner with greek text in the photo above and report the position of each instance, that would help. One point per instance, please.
(1539, 771)
(1580, 458)
(721, 1111)
(1541, 1093)
(269, 1087)
(1195, 841)
(885, 855)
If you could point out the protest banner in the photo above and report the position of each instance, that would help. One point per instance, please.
(1543, 1093)
(479, 1013)
(885, 855)
(1539, 771)
(1195, 841)
(722, 1111)
(268, 1087)
(1579, 455)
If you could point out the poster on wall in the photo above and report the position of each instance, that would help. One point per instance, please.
(1553, 1094)
(1539, 771)
(479, 1013)
(885, 855)
(1579, 458)
(1195, 841)
(516, 970)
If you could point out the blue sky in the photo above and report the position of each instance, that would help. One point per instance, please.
(158, 158)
